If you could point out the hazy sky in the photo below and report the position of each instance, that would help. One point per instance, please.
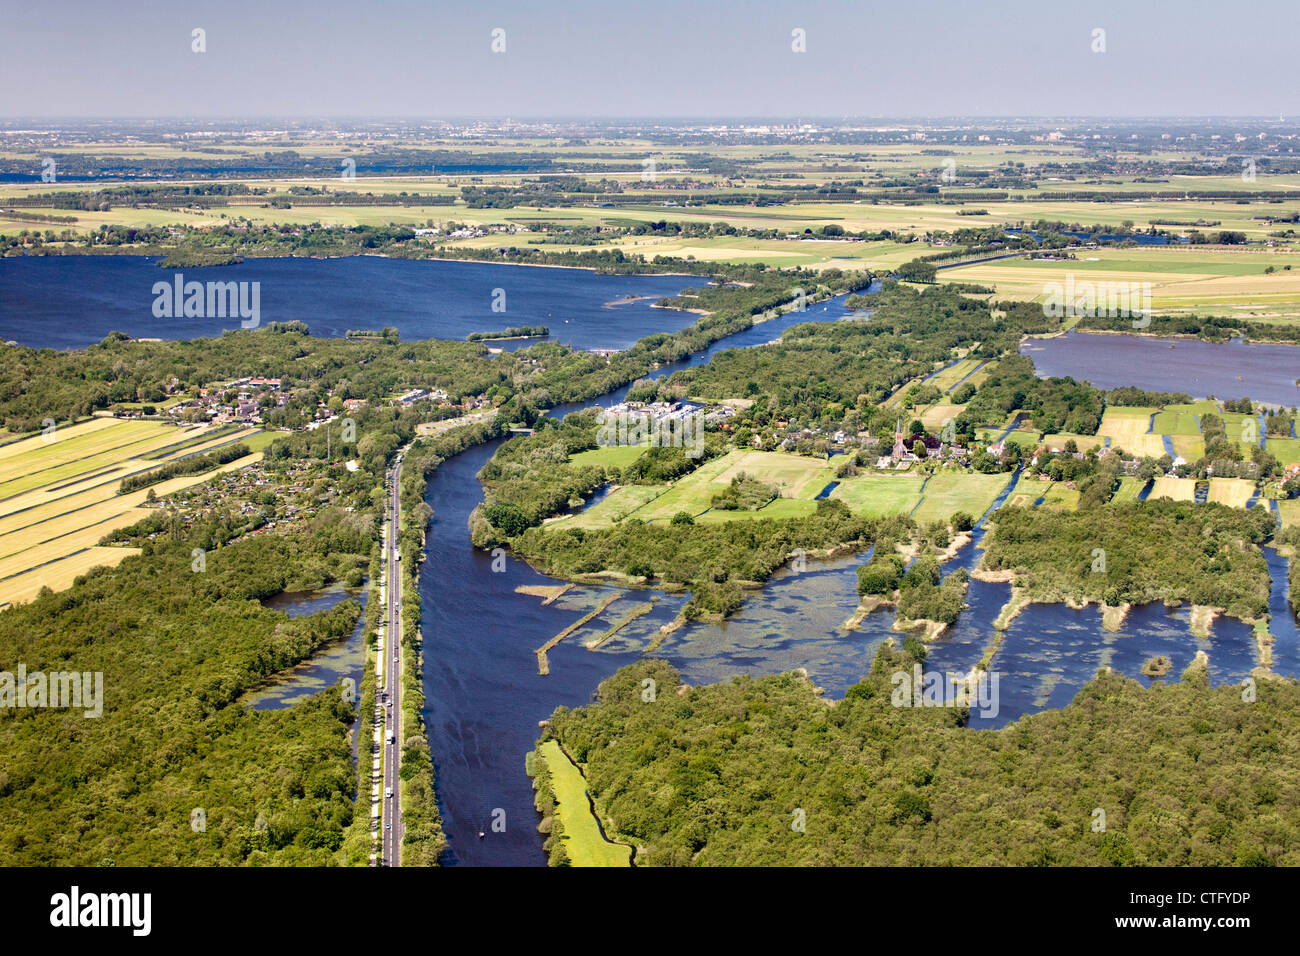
(630, 58)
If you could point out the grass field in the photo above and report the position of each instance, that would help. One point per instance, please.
(947, 378)
(1128, 490)
(1188, 447)
(59, 494)
(877, 495)
(583, 841)
(948, 492)
(610, 456)
(1184, 419)
(934, 417)
(1290, 512)
(800, 479)
(1285, 450)
(615, 506)
(1057, 497)
(1082, 442)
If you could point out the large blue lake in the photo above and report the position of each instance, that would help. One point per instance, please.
(73, 301)
(1234, 369)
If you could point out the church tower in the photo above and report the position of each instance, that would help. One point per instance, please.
(899, 448)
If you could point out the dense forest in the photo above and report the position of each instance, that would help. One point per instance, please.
(1138, 552)
(1052, 404)
(766, 772)
(178, 648)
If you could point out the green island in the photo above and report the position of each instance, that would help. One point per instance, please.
(516, 332)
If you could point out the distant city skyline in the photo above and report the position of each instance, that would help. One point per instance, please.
(672, 59)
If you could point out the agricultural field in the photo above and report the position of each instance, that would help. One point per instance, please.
(1290, 512)
(934, 417)
(59, 494)
(1185, 419)
(1178, 489)
(1128, 490)
(1188, 447)
(1129, 429)
(1235, 492)
(1059, 497)
(1285, 450)
(1056, 442)
(948, 492)
(608, 456)
(947, 378)
(876, 495)
(1228, 281)
(797, 476)
(800, 479)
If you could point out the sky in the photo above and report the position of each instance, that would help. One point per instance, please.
(635, 59)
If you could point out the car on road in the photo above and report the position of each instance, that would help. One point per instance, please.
(388, 793)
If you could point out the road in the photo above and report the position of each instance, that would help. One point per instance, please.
(391, 847)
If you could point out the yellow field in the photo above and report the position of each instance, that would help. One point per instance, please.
(1179, 489)
(24, 587)
(1290, 512)
(1182, 278)
(1231, 491)
(59, 495)
(1127, 429)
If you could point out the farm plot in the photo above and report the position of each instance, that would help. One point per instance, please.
(879, 495)
(1130, 429)
(61, 496)
(948, 492)
(1236, 492)
(1178, 489)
